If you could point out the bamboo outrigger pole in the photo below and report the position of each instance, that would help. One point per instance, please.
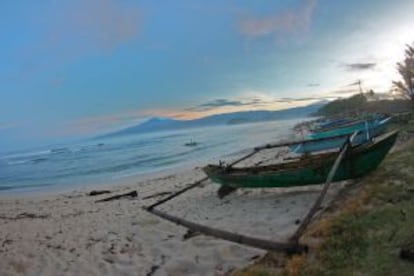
(197, 183)
(299, 232)
(288, 247)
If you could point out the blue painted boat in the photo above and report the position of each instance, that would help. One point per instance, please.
(361, 125)
(331, 123)
(328, 140)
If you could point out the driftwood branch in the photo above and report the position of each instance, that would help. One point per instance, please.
(130, 194)
(299, 232)
(25, 216)
(287, 247)
(98, 192)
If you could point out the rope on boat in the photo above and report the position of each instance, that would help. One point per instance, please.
(301, 229)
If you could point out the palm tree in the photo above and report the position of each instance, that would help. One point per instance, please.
(406, 70)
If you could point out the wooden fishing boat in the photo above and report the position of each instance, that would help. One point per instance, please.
(311, 169)
(377, 126)
(366, 132)
(326, 124)
(322, 125)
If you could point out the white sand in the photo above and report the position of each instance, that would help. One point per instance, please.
(71, 234)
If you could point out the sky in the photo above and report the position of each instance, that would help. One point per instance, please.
(77, 68)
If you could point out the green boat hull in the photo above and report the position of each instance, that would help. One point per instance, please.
(310, 170)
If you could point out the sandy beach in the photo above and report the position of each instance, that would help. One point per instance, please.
(72, 234)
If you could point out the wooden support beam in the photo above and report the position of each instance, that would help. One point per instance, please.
(302, 227)
(197, 183)
(288, 247)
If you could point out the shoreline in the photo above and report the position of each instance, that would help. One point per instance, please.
(118, 179)
(72, 233)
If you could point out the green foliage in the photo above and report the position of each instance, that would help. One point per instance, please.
(364, 240)
(406, 70)
(350, 104)
(367, 241)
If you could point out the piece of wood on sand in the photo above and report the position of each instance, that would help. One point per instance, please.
(115, 197)
(287, 247)
(98, 192)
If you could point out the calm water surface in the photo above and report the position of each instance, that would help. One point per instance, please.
(93, 161)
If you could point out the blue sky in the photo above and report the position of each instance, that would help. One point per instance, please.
(72, 69)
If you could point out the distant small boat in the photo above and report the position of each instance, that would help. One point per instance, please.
(308, 170)
(328, 140)
(191, 144)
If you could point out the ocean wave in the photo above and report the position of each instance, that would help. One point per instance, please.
(26, 154)
(22, 186)
(19, 162)
(26, 161)
(60, 150)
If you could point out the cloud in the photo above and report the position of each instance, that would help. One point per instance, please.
(279, 24)
(103, 23)
(75, 29)
(359, 66)
(222, 102)
(248, 103)
(218, 103)
(305, 99)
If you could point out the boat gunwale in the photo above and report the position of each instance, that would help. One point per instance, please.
(360, 121)
(308, 162)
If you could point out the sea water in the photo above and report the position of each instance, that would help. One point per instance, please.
(94, 161)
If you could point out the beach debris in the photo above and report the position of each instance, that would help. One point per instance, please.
(98, 192)
(157, 195)
(115, 197)
(24, 216)
(190, 234)
(224, 191)
(152, 270)
(6, 241)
